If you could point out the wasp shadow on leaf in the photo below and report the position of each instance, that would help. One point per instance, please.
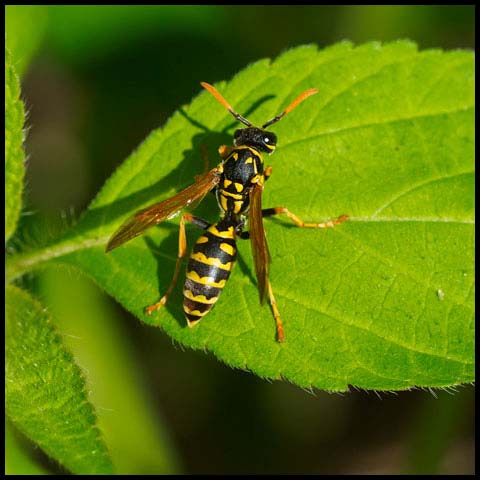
(166, 268)
(165, 271)
(192, 162)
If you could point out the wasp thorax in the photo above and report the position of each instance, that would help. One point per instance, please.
(255, 137)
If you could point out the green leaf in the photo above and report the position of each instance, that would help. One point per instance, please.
(383, 301)
(18, 454)
(45, 394)
(139, 445)
(14, 155)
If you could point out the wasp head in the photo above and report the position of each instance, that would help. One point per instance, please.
(255, 137)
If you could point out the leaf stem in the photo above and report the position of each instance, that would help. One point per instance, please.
(17, 265)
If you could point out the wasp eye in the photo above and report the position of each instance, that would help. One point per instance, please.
(266, 139)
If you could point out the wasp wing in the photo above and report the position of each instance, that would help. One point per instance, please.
(261, 255)
(154, 214)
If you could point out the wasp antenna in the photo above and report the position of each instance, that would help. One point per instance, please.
(295, 103)
(219, 97)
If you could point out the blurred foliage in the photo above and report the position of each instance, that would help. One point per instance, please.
(14, 154)
(435, 424)
(24, 30)
(45, 391)
(20, 454)
(87, 321)
(96, 81)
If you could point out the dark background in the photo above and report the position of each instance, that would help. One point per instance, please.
(96, 81)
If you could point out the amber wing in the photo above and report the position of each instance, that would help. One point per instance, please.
(154, 214)
(261, 255)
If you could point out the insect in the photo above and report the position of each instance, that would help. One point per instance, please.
(237, 182)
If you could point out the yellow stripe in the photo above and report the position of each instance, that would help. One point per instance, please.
(223, 202)
(237, 206)
(200, 257)
(202, 239)
(227, 248)
(255, 152)
(194, 312)
(249, 160)
(209, 281)
(233, 195)
(226, 182)
(199, 298)
(235, 156)
(271, 147)
(192, 323)
(259, 178)
(238, 186)
(224, 233)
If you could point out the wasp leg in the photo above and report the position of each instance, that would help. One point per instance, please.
(267, 172)
(224, 151)
(268, 212)
(276, 314)
(182, 251)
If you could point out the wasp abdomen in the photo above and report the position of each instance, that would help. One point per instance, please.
(209, 267)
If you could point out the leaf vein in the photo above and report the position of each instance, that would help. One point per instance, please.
(355, 82)
(367, 329)
(374, 123)
(416, 186)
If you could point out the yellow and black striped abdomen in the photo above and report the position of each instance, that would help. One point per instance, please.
(209, 267)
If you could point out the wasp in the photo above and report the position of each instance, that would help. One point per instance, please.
(238, 182)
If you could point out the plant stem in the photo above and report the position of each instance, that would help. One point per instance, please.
(17, 265)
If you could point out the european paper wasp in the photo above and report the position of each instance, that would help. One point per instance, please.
(237, 182)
